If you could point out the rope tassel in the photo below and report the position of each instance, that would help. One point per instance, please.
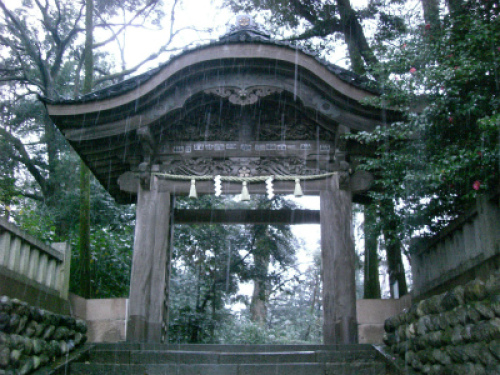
(192, 191)
(218, 186)
(245, 196)
(269, 188)
(298, 190)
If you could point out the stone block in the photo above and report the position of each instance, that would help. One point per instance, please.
(106, 309)
(283, 369)
(106, 330)
(371, 333)
(376, 311)
(78, 306)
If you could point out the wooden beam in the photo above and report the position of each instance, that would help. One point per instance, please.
(150, 274)
(338, 265)
(284, 216)
(128, 182)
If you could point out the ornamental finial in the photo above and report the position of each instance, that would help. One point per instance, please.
(245, 29)
(245, 21)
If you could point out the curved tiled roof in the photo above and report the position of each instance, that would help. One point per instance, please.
(251, 34)
(102, 125)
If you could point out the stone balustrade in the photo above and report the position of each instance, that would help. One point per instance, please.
(27, 260)
(468, 248)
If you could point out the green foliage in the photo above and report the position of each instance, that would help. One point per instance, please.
(111, 255)
(439, 157)
(245, 332)
(111, 234)
(209, 262)
(110, 264)
(294, 314)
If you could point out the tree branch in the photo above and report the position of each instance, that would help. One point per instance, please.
(320, 29)
(31, 48)
(25, 158)
(123, 73)
(33, 196)
(151, 5)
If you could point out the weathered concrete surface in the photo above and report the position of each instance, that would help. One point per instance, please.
(372, 314)
(106, 318)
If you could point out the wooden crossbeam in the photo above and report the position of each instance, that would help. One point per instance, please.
(283, 216)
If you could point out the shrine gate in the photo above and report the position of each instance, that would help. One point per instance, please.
(243, 112)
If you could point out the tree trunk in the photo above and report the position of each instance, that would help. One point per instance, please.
(431, 12)
(85, 285)
(357, 65)
(85, 282)
(397, 278)
(258, 306)
(372, 282)
(355, 38)
(313, 304)
(455, 7)
(52, 158)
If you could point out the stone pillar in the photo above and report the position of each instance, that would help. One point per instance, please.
(338, 267)
(150, 266)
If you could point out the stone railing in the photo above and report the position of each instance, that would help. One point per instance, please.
(32, 267)
(468, 248)
(456, 333)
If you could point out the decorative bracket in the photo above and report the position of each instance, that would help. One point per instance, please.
(147, 143)
(243, 96)
(148, 146)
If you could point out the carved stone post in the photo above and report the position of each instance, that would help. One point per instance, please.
(150, 265)
(337, 255)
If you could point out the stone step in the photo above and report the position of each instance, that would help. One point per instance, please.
(190, 357)
(199, 359)
(353, 368)
(265, 348)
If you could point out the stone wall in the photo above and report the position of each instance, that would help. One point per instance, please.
(454, 333)
(31, 337)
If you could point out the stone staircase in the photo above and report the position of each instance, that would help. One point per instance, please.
(153, 359)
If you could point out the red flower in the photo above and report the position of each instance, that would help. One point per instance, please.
(476, 185)
(480, 154)
(428, 26)
(404, 46)
(413, 70)
(450, 120)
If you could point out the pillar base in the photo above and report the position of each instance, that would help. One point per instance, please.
(140, 330)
